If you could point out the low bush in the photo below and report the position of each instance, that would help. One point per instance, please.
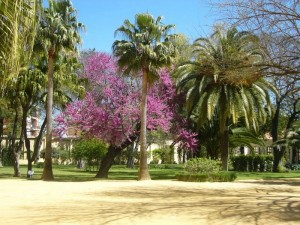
(208, 177)
(252, 163)
(89, 153)
(202, 165)
(166, 166)
(294, 167)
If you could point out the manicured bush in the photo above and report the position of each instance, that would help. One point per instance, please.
(201, 165)
(89, 151)
(252, 163)
(208, 177)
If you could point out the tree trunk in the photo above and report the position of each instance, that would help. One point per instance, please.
(107, 161)
(112, 152)
(278, 154)
(295, 159)
(17, 153)
(1, 137)
(242, 150)
(16, 149)
(38, 142)
(276, 150)
(143, 170)
(224, 144)
(48, 173)
(130, 158)
(27, 141)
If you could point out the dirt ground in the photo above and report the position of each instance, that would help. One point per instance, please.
(149, 202)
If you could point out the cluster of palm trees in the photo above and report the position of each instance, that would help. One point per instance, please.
(43, 41)
(223, 80)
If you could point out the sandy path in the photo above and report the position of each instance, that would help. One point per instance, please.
(151, 202)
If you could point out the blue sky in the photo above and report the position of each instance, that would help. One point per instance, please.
(194, 18)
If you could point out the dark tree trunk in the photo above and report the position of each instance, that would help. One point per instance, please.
(224, 144)
(295, 159)
(16, 149)
(25, 137)
(242, 150)
(276, 150)
(38, 142)
(112, 152)
(107, 161)
(278, 154)
(1, 137)
(130, 158)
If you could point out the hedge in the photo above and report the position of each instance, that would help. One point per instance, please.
(252, 163)
(207, 177)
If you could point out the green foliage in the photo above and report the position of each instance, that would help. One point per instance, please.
(202, 165)
(163, 154)
(210, 177)
(295, 167)
(166, 166)
(64, 155)
(57, 155)
(252, 163)
(8, 156)
(91, 151)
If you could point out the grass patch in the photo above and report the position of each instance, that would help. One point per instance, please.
(71, 173)
(120, 172)
(266, 175)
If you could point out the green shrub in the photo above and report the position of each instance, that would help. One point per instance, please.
(163, 154)
(208, 177)
(90, 151)
(294, 167)
(166, 166)
(64, 156)
(8, 156)
(202, 165)
(252, 163)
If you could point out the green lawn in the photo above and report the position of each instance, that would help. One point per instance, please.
(71, 173)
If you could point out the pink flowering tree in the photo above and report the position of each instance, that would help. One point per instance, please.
(110, 110)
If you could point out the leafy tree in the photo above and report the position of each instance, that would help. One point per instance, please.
(225, 80)
(110, 109)
(59, 34)
(18, 22)
(146, 48)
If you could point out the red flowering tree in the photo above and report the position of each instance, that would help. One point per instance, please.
(110, 110)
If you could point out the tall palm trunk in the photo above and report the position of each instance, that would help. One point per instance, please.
(224, 145)
(143, 170)
(48, 173)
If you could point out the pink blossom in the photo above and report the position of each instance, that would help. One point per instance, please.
(111, 108)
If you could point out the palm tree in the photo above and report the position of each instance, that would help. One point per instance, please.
(58, 34)
(18, 22)
(146, 48)
(225, 80)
